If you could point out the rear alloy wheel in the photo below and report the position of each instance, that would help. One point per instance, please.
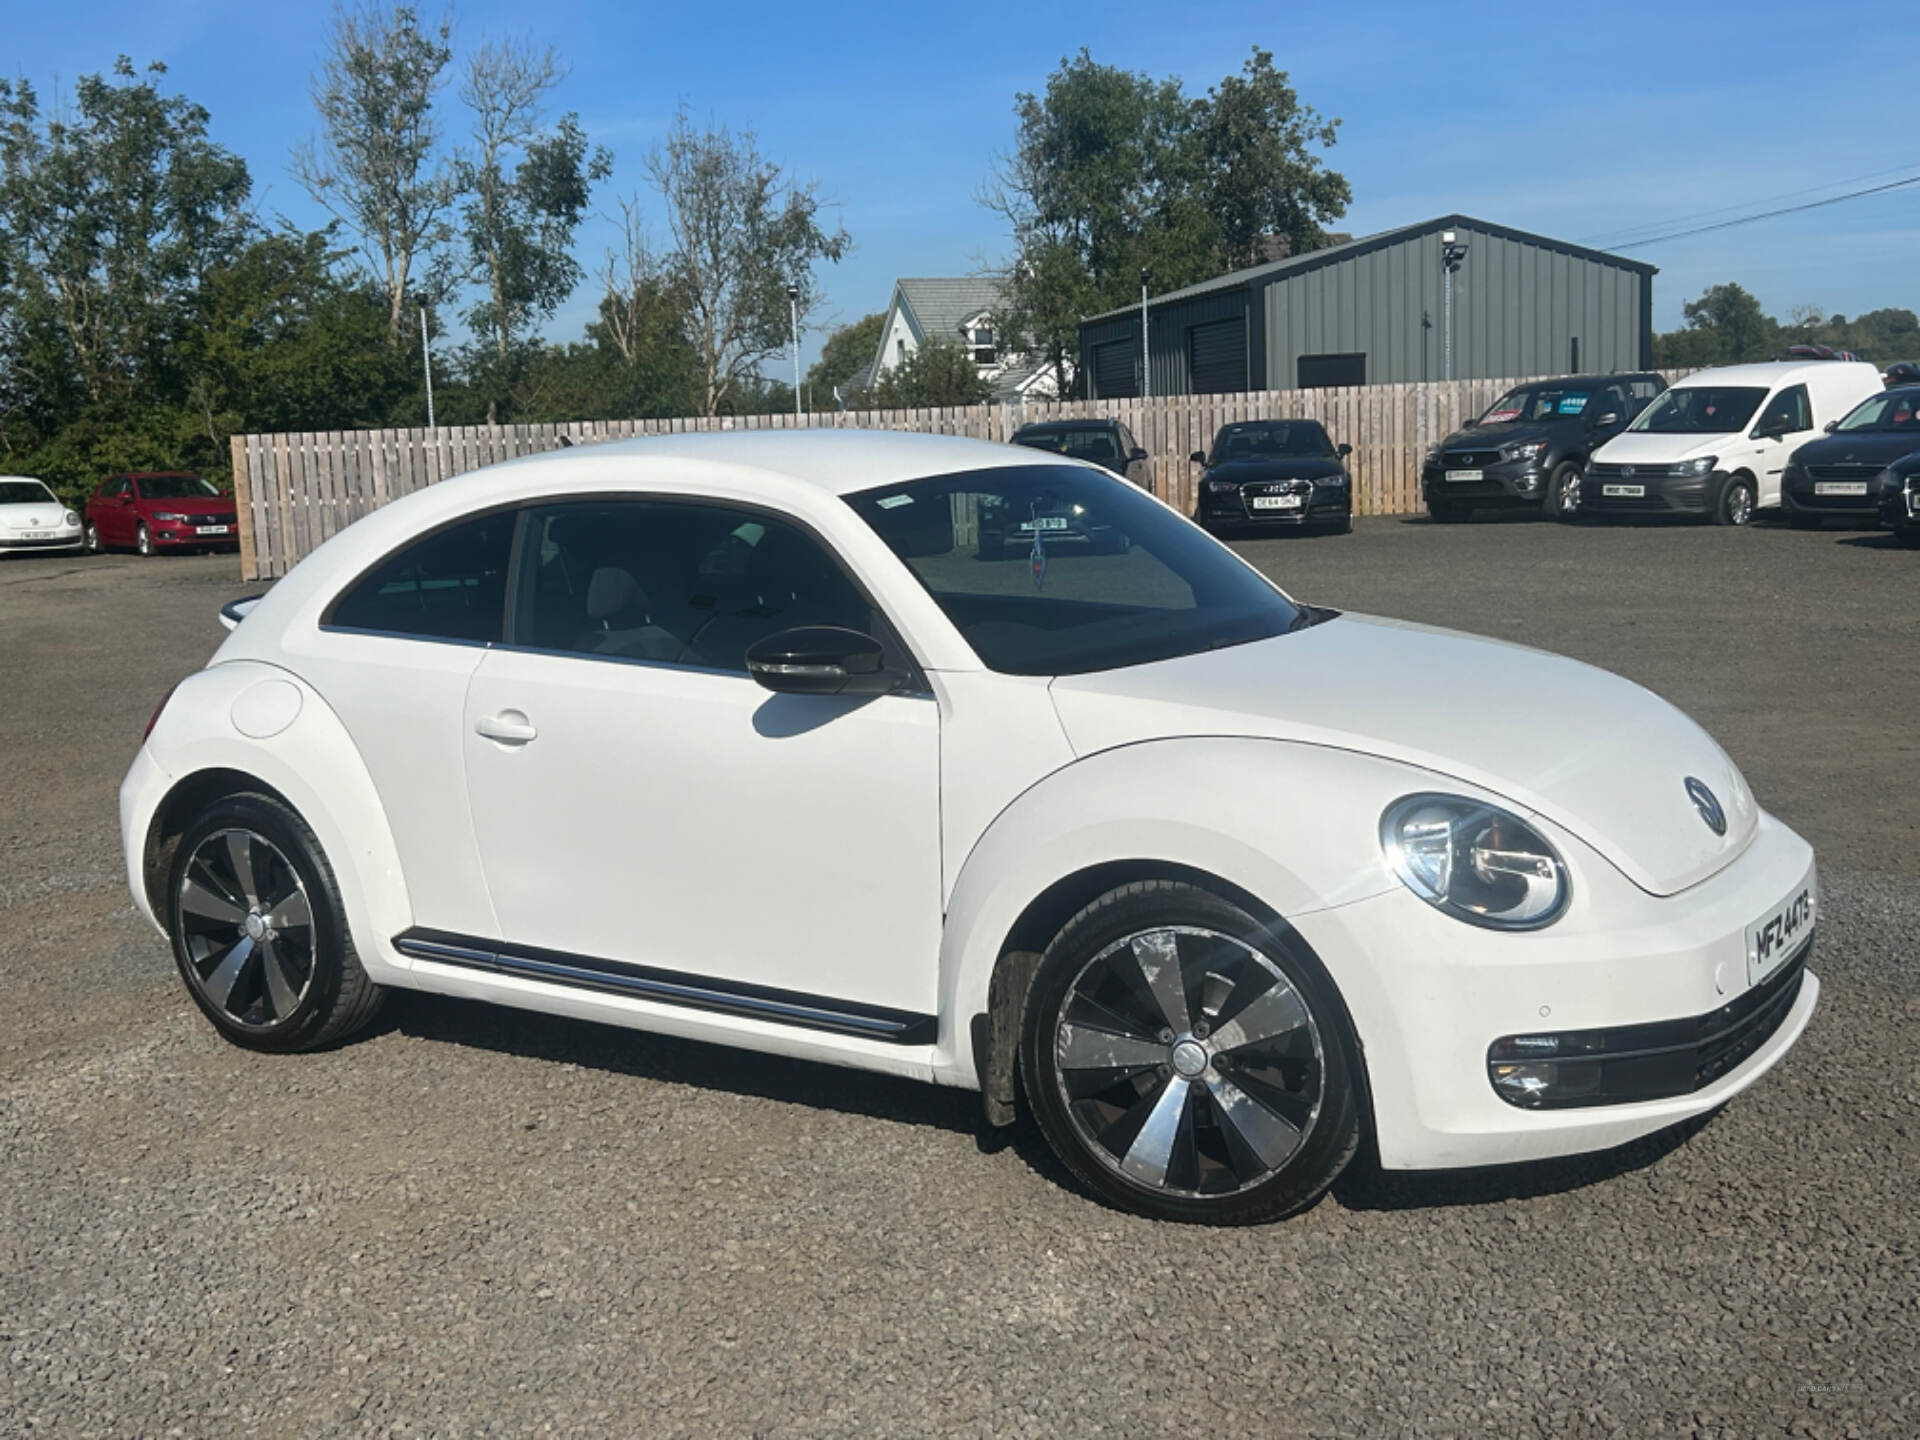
(143, 540)
(1563, 491)
(258, 930)
(1188, 1063)
(1736, 502)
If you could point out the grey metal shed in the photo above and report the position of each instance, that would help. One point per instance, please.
(1373, 312)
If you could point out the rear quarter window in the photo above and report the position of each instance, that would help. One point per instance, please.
(449, 585)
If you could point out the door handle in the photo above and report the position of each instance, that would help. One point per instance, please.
(509, 727)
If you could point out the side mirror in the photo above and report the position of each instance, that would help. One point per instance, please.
(1831, 426)
(1136, 454)
(1770, 430)
(1198, 457)
(1601, 422)
(1343, 449)
(821, 660)
(1470, 422)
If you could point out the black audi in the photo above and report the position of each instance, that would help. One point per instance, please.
(1529, 449)
(1839, 474)
(1275, 472)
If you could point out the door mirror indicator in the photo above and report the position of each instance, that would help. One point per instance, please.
(821, 660)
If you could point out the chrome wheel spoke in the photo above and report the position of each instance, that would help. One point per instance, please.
(1152, 1149)
(1276, 1010)
(1082, 1048)
(221, 982)
(204, 902)
(1157, 953)
(292, 912)
(1271, 1137)
(281, 989)
(240, 856)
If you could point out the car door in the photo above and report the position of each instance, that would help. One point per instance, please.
(1139, 471)
(116, 514)
(1784, 423)
(639, 799)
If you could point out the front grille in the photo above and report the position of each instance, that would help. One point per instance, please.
(1632, 474)
(1629, 1063)
(1843, 472)
(1278, 487)
(1469, 459)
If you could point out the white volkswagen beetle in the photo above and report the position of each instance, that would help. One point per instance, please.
(952, 761)
(32, 518)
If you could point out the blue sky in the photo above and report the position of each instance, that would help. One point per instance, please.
(1580, 122)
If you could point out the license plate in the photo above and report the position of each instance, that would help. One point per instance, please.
(1776, 935)
(1045, 522)
(210, 529)
(1839, 487)
(38, 535)
(1624, 492)
(1466, 474)
(1278, 502)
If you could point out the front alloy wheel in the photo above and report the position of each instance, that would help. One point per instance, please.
(1736, 502)
(1186, 1062)
(1563, 491)
(94, 547)
(143, 541)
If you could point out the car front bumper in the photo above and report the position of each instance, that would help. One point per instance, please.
(1798, 496)
(1320, 504)
(64, 538)
(1508, 482)
(1430, 996)
(184, 537)
(1692, 495)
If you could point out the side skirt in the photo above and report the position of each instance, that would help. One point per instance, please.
(669, 987)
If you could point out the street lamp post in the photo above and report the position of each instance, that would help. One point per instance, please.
(426, 360)
(793, 312)
(1146, 352)
(1453, 254)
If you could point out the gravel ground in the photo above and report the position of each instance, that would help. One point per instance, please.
(477, 1222)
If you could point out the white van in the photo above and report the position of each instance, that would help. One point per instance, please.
(1715, 443)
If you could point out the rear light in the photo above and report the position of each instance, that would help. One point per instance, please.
(155, 720)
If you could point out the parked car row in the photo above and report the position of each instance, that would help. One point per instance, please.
(150, 511)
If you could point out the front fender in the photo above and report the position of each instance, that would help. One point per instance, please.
(299, 748)
(1294, 824)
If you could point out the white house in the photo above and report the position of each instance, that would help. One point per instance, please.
(959, 310)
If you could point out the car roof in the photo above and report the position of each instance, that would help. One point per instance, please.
(1605, 379)
(1770, 373)
(1064, 427)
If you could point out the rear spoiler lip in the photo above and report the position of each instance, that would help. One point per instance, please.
(234, 611)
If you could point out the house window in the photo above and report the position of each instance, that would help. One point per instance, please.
(899, 352)
(980, 345)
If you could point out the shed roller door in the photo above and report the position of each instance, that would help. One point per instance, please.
(1116, 368)
(1217, 357)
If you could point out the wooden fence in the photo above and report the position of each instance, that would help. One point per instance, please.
(296, 490)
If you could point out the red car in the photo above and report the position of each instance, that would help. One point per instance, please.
(155, 510)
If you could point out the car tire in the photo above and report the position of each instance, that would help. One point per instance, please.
(1448, 512)
(1562, 500)
(1234, 1133)
(1735, 503)
(259, 932)
(92, 543)
(143, 541)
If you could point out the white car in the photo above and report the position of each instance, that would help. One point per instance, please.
(748, 738)
(1715, 443)
(32, 518)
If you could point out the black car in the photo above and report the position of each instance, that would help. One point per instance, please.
(1899, 486)
(1529, 450)
(1104, 442)
(1275, 472)
(1839, 474)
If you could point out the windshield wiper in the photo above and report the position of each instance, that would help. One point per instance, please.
(1311, 615)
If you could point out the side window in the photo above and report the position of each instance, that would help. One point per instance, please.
(1609, 402)
(1789, 408)
(671, 582)
(450, 585)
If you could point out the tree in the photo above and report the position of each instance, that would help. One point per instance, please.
(1114, 171)
(742, 233)
(374, 169)
(847, 351)
(940, 372)
(1740, 329)
(518, 225)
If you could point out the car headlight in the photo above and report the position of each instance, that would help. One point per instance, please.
(1531, 450)
(72, 519)
(1221, 487)
(1702, 465)
(167, 515)
(1475, 861)
(1433, 453)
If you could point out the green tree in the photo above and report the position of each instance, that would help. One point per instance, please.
(742, 232)
(940, 372)
(847, 351)
(1741, 330)
(374, 167)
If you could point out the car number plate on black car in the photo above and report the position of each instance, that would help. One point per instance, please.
(1776, 935)
(1466, 474)
(1276, 502)
(1839, 487)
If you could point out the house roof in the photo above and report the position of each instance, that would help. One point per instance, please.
(939, 307)
(1333, 254)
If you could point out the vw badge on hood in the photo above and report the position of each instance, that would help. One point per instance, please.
(1708, 805)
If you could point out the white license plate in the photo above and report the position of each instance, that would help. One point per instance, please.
(1044, 522)
(1776, 935)
(1278, 502)
(1624, 492)
(38, 535)
(1839, 487)
(210, 529)
(1466, 474)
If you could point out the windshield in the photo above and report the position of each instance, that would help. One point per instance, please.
(25, 492)
(1701, 410)
(1267, 439)
(1056, 570)
(1538, 402)
(1893, 411)
(1098, 445)
(175, 487)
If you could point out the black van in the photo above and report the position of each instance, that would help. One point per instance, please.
(1529, 449)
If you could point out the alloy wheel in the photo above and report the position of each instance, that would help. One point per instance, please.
(1188, 1062)
(1739, 503)
(143, 541)
(1570, 495)
(246, 925)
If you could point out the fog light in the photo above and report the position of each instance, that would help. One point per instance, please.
(1529, 482)
(1546, 1083)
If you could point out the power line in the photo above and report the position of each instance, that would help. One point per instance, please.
(1767, 214)
(1620, 236)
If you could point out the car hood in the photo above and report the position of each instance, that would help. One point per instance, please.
(1511, 432)
(1280, 467)
(33, 515)
(1593, 753)
(1654, 448)
(1858, 447)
